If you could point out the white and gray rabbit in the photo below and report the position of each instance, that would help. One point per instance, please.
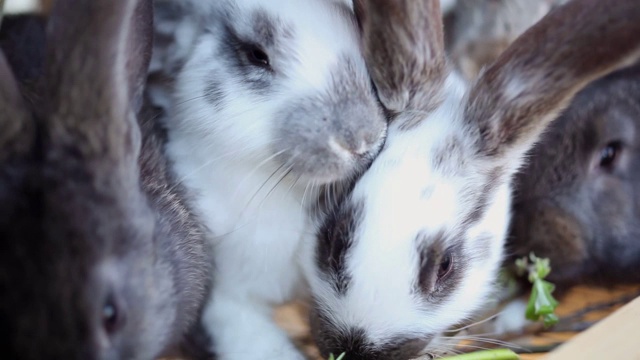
(415, 248)
(271, 108)
(100, 256)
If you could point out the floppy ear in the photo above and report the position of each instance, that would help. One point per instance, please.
(96, 67)
(16, 126)
(537, 76)
(404, 50)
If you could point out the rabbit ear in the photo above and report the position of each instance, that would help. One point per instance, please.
(95, 73)
(176, 28)
(404, 49)
(537, 76)
(16, 127)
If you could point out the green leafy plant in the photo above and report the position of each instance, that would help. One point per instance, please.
(541, 303)
(497, 354)
(340, 357)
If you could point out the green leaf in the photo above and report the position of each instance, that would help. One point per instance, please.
(542, 267)
(498, 354)
(545, 302)
(341, 357)
(549, 320)
(541, 303)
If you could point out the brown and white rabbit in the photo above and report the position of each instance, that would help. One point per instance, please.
(414, 249)
(577, 201)
(100, 257)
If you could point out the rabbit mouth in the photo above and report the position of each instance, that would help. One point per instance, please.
(326, 165)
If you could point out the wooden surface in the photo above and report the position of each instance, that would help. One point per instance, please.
(615, 337)
(292, 319)
(578, 299)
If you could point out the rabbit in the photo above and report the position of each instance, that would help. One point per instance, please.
(413, 250)
(101, 256)
(477, 31)
(269, 110)
(576, 201)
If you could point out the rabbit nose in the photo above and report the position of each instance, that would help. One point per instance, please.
(356, 347)
(350, 148)
(359, 142)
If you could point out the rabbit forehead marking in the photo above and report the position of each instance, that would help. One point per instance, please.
(333, 248)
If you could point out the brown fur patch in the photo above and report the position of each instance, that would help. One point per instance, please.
(404, 49)
(546, 66)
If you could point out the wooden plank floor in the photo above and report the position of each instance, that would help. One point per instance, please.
(291, 318)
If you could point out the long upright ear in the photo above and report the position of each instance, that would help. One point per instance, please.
(404, 50)
(96, 66)
(538, 75)
(16, 126)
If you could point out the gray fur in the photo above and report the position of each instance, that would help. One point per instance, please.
(214, 92)
(582, 216)
(101, 258)
(343, 112)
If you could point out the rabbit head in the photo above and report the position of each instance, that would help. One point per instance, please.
(577, 200)
(89, 279)
(278, 80)
(414, 249)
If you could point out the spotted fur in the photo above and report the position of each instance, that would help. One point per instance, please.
(272, 110)
(420, 202)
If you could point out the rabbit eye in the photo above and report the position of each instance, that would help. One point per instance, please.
(112, 316)
(609, 154)
(257, 57)
(445, 266)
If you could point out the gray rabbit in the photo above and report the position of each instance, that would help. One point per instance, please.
(100, 256)
(577, 200)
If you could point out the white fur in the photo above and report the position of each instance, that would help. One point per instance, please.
(258, 218)
(404, 196)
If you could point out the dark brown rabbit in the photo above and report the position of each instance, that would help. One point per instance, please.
(100, 257)
(577, 200)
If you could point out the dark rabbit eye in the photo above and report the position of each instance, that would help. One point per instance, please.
(609, 155)
(112, 316)
(445, 266)
(257, 57)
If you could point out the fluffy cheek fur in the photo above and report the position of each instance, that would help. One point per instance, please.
(313, 114)
(214, 108)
